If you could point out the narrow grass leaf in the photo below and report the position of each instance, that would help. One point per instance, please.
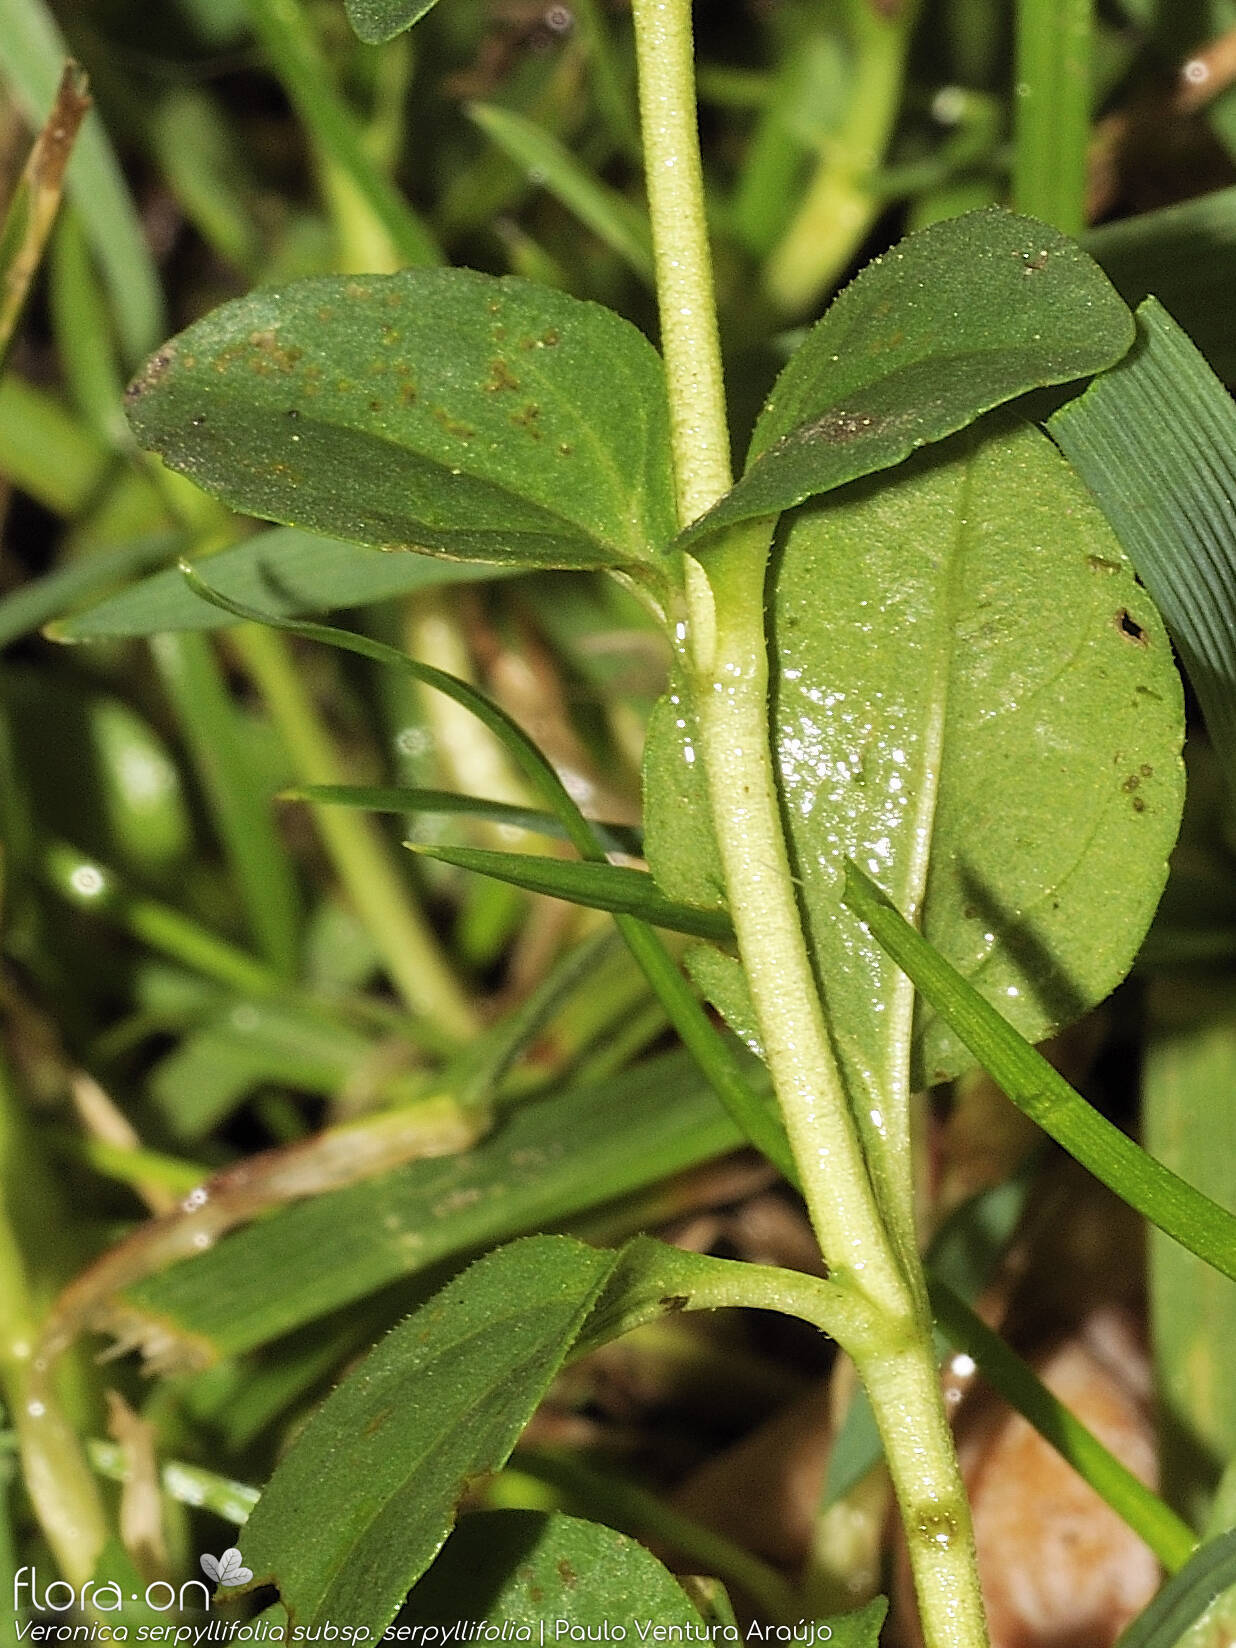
(186, 1484)
(544, 160)
(285, 572)
(712, 1053)
(287, 33)
(1171, 1539)
(1155, 441)
(1186, 255)
(610, 887)
(1185, 1597)
(955, 320)
(532, 1568)
(364, 1499)
(26, 609)
(435, 409)
(1189, 1122)
(1042, 1093)
(49, 453)
(550, 1160)
(241, 805)
(36, 201)
(382, 798)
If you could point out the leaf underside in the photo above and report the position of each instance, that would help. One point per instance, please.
(435, 409)
(985, 715)
(360, 1505)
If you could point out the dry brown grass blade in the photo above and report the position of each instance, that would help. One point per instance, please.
(36, 200)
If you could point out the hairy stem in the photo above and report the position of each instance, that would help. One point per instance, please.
(728, 661)
(699, 430)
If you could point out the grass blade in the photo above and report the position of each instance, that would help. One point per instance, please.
(1186, 255)
(284, 30)
(610, 215)
(549, 1161)
(596, 886)
(1052, 110)
(82, 881)
(1155, 441)
(712, 1053)
(242, 811)
(394, 798)
(1171, 1540)
(1189, 1121)
(412, 957)
(1042, 1093)
(35, 603)
(1185, 1597)
(36, 200)
(287, 570)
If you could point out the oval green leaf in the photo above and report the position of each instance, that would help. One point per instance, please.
(435, 409)
(377, 21)
(532, 1568)
(363, 1500)
(976, 701)
(955, 320)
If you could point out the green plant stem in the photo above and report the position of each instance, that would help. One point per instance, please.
(728, 657)
(366, 867)
(842, 198)
(898, 1368)
(699, 431)
(730, 691)
(1052, 110)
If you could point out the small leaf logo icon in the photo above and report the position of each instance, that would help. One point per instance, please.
(227, 1569)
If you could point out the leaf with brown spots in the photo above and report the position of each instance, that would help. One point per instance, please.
(957, 319)
(436, 409)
